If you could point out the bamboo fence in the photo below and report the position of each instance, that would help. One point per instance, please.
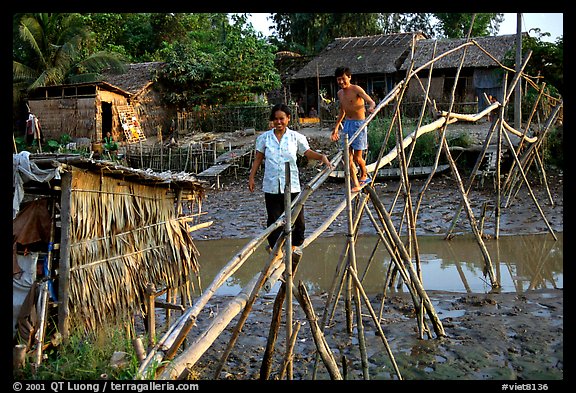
(347, 283)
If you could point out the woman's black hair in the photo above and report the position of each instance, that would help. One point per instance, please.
(280, 107)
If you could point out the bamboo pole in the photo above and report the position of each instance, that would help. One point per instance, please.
(319, 339)
(266, 365)
(488, 263)
(44, 293)
(438, 328)
(151, 317)
(376, 321)
(396, 262)
(530, 153)
(203, 342)
(64, 262)
(139, 349)
(352, 261)
(289, 351)
(276, 255)
(530, 188)
(288, 268)
(472, 176)
(242, 301)
(19, 356)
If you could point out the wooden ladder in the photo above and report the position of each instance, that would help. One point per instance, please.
(130, 124)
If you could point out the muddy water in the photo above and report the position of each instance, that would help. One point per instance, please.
(520, 263)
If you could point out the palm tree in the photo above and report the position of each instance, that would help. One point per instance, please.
(52, 49)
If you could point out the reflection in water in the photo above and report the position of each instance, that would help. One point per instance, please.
(526, 262)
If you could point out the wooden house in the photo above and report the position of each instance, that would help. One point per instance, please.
(379, 62)
(481, 72)
(115, 233)
(373, 60)
(287, 63)
(82, 110)
(124, 104)
(154, 115)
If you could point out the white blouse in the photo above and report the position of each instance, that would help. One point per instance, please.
(276, 153)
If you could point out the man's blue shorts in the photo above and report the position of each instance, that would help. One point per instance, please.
(350, 127)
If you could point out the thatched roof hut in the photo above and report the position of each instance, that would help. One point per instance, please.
(119, 230)
(379, 62)
(497, 46)
(81, 110)
(377, 54)
(136, 79)
(146, 103)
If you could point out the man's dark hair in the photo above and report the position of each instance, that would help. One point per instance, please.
(341, 71)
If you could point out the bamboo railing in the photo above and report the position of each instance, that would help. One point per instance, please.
(404, 258)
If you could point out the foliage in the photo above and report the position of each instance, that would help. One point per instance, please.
(457, 25)
(50, 145)
(228, 64)
(425, 148)
(553, 151)
(52, 49)
(87, 357)
(309, 33)
(547, 60)
(143, 37)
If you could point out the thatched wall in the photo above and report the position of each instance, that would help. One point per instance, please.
(73, 116)
(123, 235)
(154, 115)
(79, 116)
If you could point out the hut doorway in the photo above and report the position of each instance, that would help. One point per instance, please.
(106, 118)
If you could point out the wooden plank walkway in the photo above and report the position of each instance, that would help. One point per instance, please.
(393, 173)
(225, 161)
(215, 171)
(235, 154)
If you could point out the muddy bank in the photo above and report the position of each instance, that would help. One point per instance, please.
(488, 337)
(238, 213)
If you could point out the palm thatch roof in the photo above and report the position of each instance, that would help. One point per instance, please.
(497, 46)
(136, 78)
(288, 63)
(377, 54)
(123, 231)
(167, 179)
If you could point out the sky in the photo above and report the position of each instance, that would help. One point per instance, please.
(547, 22)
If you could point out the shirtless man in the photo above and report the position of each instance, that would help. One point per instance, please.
(352, 100)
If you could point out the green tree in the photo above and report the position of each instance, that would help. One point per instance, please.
(457, 25)
(547, 60)
(55, 49)
(219, 63)
(128, 34)
(309, 33)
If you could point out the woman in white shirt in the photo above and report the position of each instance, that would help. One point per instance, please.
(274, 148)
